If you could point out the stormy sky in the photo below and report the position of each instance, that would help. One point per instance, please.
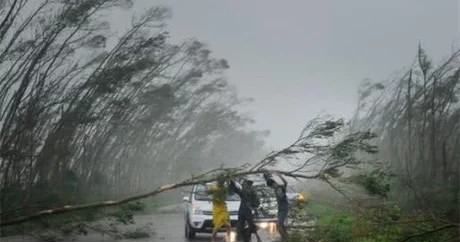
(301, 58)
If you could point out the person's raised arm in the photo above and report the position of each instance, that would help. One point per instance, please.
(283, 179)
(234, 187)
(266, 177)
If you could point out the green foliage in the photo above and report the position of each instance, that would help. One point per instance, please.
(298, 236)
(332, 224)
(384, 223)
(58, 227)
(327, 129)
(125, 214)
(134, 206)
(318, 209)
(151, 205)
(336, 228)
(376, 182)
(418, 142)
(136, 234)
(105, 121)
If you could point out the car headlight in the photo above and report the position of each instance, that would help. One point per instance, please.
(303, 198)
(197, 211)
(263, 225)
(269, 226)
(300, 198)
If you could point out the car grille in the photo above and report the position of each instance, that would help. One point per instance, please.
(210, 213)
(209, 224)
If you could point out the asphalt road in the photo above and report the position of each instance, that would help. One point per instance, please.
(171, 229)
(168, 227)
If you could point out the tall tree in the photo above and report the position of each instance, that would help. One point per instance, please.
(420, 133)
(83, 112)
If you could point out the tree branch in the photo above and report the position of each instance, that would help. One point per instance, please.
(332, 159)
(448, 226)
(161, 189)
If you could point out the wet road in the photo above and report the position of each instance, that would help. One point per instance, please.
(168, 227)
(171, 229)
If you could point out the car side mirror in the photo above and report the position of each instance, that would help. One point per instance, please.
(186, 199)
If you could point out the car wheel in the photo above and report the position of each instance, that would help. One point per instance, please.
(189, 233)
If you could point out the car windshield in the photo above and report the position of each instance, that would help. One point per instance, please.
(201, 194)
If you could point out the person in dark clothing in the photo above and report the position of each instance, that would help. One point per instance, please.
(283, 205)
(248, 206)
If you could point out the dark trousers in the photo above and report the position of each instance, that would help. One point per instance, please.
(244, 232)
(282, 216)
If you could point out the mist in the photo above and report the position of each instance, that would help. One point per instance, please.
(113, 112)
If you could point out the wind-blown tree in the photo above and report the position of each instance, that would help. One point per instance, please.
(83, 112)
(418, 120)
(322, 151)
(82, 115)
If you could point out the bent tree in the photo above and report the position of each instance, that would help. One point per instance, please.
(88, 115)
(322, 150)
(417, 117)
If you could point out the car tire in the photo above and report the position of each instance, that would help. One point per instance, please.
(189, 232)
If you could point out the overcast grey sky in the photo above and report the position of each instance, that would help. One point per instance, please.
(298, 58)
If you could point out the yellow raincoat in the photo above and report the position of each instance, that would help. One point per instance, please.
(220, 215)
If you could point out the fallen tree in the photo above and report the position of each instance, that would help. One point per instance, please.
(324, 145)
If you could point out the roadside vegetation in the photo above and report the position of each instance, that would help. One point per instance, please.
(413, 185)
(92, 122)
(90, 112)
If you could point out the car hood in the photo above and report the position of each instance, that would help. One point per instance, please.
(207, 205)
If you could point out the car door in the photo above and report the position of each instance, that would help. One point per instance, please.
(188, 204)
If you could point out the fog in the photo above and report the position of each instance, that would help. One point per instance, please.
(111, 111)
(301, 58)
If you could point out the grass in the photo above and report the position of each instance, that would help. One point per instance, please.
(137, 234)
(151, 205)
(319, 209)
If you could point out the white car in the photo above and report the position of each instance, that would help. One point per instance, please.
(198, 211)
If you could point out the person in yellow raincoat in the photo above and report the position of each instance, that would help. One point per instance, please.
(220, 215)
